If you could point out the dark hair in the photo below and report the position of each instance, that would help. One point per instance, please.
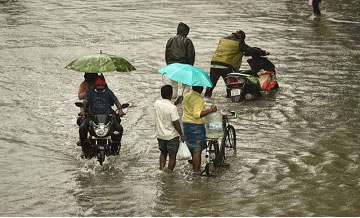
(198, 89)
(166, 91)
(90, 77)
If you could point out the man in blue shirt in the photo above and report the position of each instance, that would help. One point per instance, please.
(99, 101)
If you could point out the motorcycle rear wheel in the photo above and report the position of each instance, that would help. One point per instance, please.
(235, 98)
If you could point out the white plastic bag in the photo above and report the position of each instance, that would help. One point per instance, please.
(183, 152)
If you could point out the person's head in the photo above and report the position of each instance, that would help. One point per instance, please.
(198, 89)
(90, 77)
(183, 29)
(99, 83)
(166, 92)
(240, 34)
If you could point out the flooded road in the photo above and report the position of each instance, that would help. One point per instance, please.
(298, 149)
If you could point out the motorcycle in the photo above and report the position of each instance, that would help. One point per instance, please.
(254, 83)
(100, 142)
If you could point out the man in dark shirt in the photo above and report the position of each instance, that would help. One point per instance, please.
(180, 49)
(99, 101)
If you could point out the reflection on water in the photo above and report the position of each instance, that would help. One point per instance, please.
(297, 148)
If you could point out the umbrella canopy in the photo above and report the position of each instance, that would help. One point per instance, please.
(186, 74)
(100, 63)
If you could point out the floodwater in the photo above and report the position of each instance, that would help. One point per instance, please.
(298, 149)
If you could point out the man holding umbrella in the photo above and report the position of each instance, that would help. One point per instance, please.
(194, 110)
(99, 98)
(194, 123)
(99, 101)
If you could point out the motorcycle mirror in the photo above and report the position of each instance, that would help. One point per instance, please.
(79, 104)
(125, 105)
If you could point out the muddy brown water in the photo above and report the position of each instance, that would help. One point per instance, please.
(298, 149)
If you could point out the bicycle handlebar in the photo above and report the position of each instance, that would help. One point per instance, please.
(232, 114)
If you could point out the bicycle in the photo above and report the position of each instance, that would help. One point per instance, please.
(215, 153)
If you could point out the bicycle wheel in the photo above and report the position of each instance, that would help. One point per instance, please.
(231, 137)
(220, 155)
(211, 152)
(208, 158)
(207, 169)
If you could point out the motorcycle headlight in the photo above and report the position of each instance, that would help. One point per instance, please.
(101, 130)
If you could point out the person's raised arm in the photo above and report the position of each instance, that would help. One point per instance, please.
(212, 109)
(120, 111)
(251, 51)
(179, 100)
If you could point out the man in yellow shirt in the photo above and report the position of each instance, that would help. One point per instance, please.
(193, 119)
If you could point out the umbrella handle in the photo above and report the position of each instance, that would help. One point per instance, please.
(185, 87)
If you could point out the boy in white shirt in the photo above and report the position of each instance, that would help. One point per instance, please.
(167, 128)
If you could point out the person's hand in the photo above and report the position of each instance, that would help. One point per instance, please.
(179, 100)
(82, 113)
(120, 113)
(267, 53)
(213, 108)
(182, 138)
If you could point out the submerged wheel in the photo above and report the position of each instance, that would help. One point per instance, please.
(207, 169)
(235, 98)
(101, 157)
(213, 153)
(220, 155)
(231, 137)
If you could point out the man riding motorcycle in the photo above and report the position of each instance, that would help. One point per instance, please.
(98, 100)
(228, 56)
